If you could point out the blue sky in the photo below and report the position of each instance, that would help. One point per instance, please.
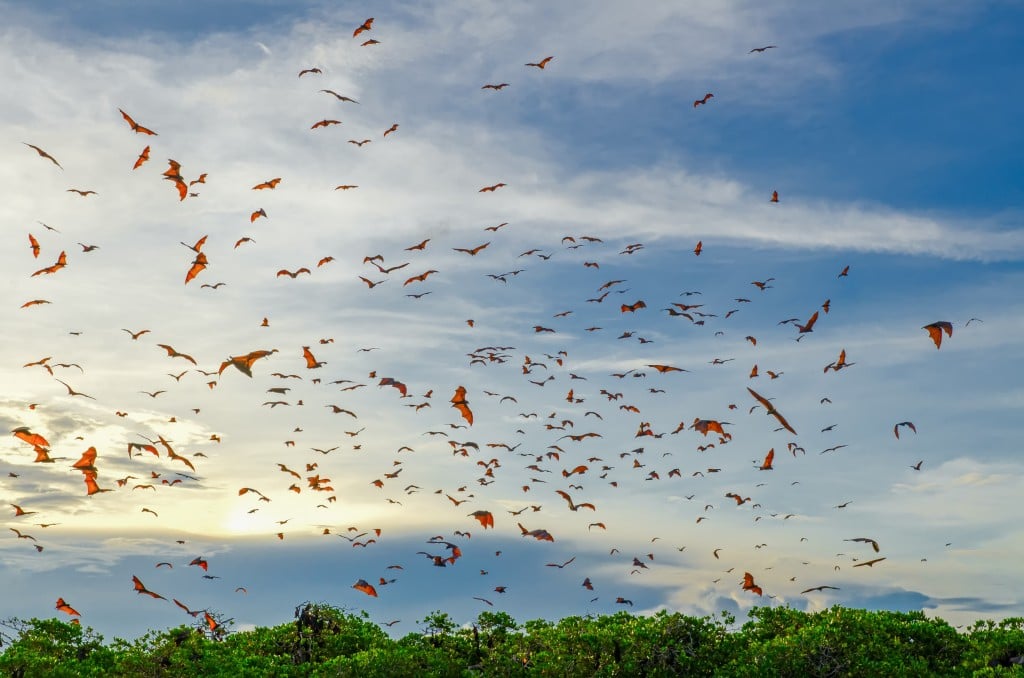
(889, 131)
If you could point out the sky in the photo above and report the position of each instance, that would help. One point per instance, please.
(888, 131)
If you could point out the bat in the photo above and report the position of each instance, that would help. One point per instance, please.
(472, 251)
(254, 216)
(419, 278)
(749, 585)
(561, 565)
(142, 590)
(359, 143)
(633, 307)
(819, 588)
(325, 123)
(33, 245)
(315, 71)
(365, 26)
(624, 601)
(844, 273)
(136, 127)
(495, 87)
(82, 193)
(291, 274)
(44, 154)
(338, 96)
(486, 518)
(865, 540)
(699, 248)
(539, 535)
(809, 326)
(761, 49)
(345, 187)
(573, 506)
(198, 265)
(389, 130)
(62, 261)
(67, 609)
(175, 354)
(936, 329)
(767, 465)
(73, 392)
(667, 368)
(143, 157)
(542, 63)
(771, 410)
(908, 424)
(459, 402)
(775, 196)
(270, 183)
(419, 246)
(311, 362)
(869, 563)
(35, 302)
(701, 102)
(492, 188)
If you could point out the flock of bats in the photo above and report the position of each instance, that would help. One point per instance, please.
(579, 395)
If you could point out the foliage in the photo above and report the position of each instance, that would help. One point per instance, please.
(326, 641)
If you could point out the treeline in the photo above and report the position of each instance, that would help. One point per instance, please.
(325, 641)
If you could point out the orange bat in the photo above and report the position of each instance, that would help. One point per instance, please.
(767, 465)
(472, 251)
(486, 518)
(420, 246)
(44, 154)
(316, 71)
(699, 248)
(459, 402)
(359, 143)
(338, 96)
(775, 196)
(212, 623)
(67, 609)
(291, 274)
(201, 562)
(33, 245)
(701, 102)
(389, 130)
(256, 215)
(143, 157)
(419, 278)
(492, 188)
(180, 185)
(91, 487)
(633, 308)
(62, 261)
(87, 462)
(33, 439)
(365, 26)
(539, 535)
(136, 127)
(936, 329)
(749, 585)
(243, 240)
(174, 354)
(35, 302)
(739, 500)
(542, 63)
(142, 590)
(270, 183)
(809, 327)
(705, 425)
(311, 362)
(840, 362)
(771, 410)
(245, 362)
(389, 381)
(198, 265)
(345, 187)
(667, 368)
(908, 424)
(573, 506)
(495, 87)
(365, 587)
(325, 123)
